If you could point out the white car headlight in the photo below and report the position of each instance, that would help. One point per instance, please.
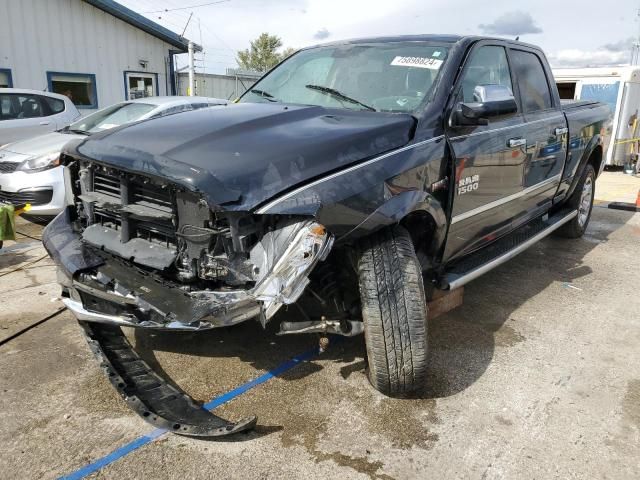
(40, 162)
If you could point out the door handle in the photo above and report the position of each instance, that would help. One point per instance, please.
(45, 123)
(561, 131)
(517, 142)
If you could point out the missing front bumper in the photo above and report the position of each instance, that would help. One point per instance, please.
(149, 395)
(107, 289)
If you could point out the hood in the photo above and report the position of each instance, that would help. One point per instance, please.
(244, 154)
(39, 145)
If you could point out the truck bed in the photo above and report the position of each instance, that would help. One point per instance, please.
(573, 104)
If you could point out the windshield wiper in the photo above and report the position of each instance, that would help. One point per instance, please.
(264, 94)
(340, 95)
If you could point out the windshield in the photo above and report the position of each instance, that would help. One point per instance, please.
(111, 117)
(390, 77)
(601, 92)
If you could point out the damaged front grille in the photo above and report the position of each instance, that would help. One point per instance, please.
(130, 215)
(106, 183)
(194, 247)
(133, 205)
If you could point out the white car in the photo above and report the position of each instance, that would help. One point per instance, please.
(30, 170)
(28, 113)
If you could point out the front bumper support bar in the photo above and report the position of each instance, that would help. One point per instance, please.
(148, 394)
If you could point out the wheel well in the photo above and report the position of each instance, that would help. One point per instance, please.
(595, 159)
(421, 227)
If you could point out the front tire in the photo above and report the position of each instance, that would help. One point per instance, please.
(582, 201)
(394, 311)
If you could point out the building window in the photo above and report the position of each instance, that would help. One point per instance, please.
(79, 87)
(5, 78)
(140, 85)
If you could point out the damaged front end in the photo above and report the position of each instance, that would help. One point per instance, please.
(137, 251)
(158, 256)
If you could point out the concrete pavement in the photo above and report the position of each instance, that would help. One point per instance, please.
(537, 375)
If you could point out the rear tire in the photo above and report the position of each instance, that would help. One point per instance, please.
(394, 311)
(582, 201)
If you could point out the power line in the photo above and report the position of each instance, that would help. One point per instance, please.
(176, 16)
(187, 8)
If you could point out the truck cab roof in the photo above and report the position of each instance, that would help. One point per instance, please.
(436, 38)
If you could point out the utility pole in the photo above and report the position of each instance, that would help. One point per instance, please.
(635, 49)
(191, 70)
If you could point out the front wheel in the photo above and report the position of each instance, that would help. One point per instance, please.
(394, 311)
(582, 201)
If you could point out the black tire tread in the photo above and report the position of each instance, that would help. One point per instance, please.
(573, 229)
(394, 311)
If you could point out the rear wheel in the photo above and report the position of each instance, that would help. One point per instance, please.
(394, 312)
(582, 201)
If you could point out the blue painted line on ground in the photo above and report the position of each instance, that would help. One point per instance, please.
(158, 432)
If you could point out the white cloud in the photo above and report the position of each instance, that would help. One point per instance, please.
(620, 46)
(511, 23)
(573, 57)
(321, 34)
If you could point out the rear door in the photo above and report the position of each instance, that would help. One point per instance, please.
(489, 159)
(546, 132)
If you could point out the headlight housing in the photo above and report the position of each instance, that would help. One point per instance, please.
(40, 162)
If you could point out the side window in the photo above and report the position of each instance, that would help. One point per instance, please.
(18, 106)
(53, 105)
(532, 81)
(487, 66)
(7, 107)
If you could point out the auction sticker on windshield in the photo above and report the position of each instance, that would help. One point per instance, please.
(420, 62)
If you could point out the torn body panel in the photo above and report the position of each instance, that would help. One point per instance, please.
(381, 191)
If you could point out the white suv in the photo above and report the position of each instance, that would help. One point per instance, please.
(28, 113)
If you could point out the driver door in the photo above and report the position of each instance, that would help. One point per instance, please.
(489, 159)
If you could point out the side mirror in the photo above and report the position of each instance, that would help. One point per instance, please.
(490, 101)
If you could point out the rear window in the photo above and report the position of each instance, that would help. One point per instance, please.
(534, 88)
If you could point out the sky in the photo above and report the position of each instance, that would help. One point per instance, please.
(588, 32)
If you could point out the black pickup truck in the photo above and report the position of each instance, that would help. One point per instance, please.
(353, 181)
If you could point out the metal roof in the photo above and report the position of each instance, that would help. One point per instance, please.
(143, 23)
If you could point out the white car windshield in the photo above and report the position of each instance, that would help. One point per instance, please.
(111, 117)
(390, 77)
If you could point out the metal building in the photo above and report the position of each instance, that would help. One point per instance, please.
(97, 52)
(229, 86)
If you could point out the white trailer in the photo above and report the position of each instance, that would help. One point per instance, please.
(619, 87)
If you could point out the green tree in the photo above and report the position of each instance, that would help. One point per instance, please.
(287, 52)
(263, 53)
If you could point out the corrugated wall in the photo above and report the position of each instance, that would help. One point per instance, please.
(71, 36)
(217, 86)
